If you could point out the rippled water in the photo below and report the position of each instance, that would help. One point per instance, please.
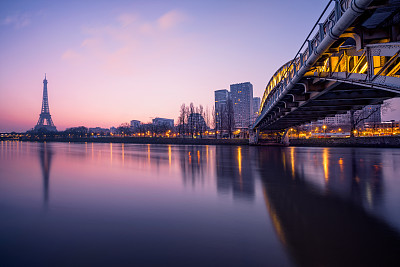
(91, 204)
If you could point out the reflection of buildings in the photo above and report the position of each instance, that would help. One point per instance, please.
(353, 176)
(193, 161)
(45, 155)
(324, 228)
(234, 171)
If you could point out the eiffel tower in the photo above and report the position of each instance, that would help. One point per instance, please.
(45, 114)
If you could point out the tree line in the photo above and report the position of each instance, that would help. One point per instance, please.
(193, 121)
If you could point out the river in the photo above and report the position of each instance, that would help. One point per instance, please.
(70, 204)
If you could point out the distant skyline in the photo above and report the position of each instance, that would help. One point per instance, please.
(110, 62)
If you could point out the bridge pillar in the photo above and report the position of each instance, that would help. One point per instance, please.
(253, 136)
(285, 138)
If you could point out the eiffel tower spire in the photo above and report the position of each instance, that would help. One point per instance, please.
(45, 113)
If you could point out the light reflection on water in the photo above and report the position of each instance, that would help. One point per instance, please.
(126, 204)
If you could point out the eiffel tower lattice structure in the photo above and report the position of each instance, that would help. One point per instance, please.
(45, 114)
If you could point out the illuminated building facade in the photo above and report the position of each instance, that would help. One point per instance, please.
(135, 124)
(256, 107)
(163, 122)
(372, 113)
(221, 99)
(242, 98)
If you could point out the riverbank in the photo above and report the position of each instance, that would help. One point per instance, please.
(383, 141)
(143, 140)
(379, 141)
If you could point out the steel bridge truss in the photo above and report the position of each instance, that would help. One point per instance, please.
(336, 72)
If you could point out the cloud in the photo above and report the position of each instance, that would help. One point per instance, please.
(18, 20)
(171, 19)
(71, 55)
(146, 28)
(131, 44)
(90, 42)
(127, 19)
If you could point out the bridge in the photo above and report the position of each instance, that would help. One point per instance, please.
(352, 60)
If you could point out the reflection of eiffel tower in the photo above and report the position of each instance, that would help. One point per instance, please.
(45, 153)
(45, 114)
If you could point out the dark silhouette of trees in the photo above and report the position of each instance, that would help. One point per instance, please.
(214, 121)
(80, 131)
(357, 117)
(124, 129)
(191, 121)
(182, 120)
(225, 119)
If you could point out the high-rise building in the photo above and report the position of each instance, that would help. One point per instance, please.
(221, 100)
(256, 107)
(242, 98)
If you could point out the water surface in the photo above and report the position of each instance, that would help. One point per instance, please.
(65, 204)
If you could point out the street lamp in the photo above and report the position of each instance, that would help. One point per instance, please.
(392, 121)
(324, 127)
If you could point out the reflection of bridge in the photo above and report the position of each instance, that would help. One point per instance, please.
(328, 228)
(352, 61)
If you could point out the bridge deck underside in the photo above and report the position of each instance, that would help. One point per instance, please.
(352, 61)
(324, 100)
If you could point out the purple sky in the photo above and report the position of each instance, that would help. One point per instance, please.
(108, 62)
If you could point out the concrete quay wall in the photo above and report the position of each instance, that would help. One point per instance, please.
(144, 140)
(381, 141)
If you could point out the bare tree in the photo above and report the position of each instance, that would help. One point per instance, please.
(357, 117)
(200, 121)
(191, 121)
(124, 129)
(207, 117)
(182, 120)
(191, 126)
(187, 114)
(214, 121)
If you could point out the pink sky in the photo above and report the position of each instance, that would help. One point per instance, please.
(109, 63)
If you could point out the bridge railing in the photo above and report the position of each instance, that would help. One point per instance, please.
(286, 73)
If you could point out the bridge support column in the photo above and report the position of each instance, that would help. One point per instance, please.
(285, 138)
(253, 136)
